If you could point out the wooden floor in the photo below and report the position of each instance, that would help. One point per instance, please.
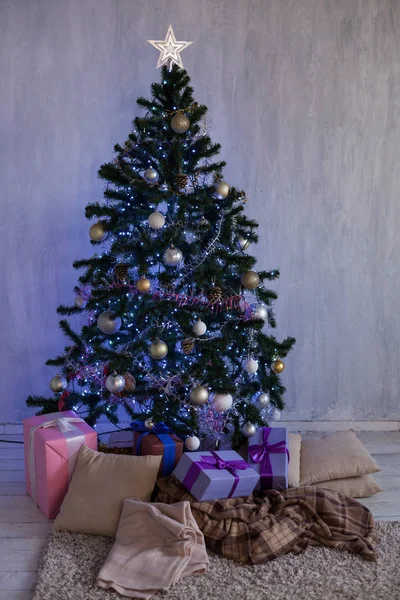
(23, 528)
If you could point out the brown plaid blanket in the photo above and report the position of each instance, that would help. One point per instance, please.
(261, 527)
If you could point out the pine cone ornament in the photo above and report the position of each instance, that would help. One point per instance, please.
(130, 382)
(214, 294)
(181, 181)
(121, 273)
(188, 346)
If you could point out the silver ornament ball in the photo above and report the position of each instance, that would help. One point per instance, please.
(180, 123)
(108, 322)
(259, 311)
(276, 414)
(263, 399)
(80, 301)
(58, 384)
(199, 328)
(251, 366)
(156, 220)
(198, 395)
(221, 190)
(149, 423)
(242, 243)
(98, 232)
(249, 429)
(151, 175)
(172, 257)
(222, 402)
(192, 443)
(115, 383)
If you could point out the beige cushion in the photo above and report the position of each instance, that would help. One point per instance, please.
(355, 487)
(98, 487)
(294, 462)
(334, 456)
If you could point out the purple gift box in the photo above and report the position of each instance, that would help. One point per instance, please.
(268, 454)
(214, 475)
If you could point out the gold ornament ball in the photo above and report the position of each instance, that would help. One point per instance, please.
(58, 384)
(98, 232)
(278, 366)
(158, 350)
(143, 285)
(250, 280)
(149, 423)
(180, 123)
(221, 190)
(199, 395)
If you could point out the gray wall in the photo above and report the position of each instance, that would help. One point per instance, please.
(304, 96)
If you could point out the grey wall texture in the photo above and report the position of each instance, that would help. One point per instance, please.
(304, 96)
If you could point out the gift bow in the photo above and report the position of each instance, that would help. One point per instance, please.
(260, 453)
(219, 463)
(214, 462)
(64, 424)
(162, 431)
(74, 437)
(140, 427)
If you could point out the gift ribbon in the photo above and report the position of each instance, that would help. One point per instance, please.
(260, 454)
(73, 436)
(214, 462)
(162, 431)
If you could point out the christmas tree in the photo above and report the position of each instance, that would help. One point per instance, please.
(178, 321)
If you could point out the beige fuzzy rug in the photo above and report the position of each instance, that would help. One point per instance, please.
(70, 563)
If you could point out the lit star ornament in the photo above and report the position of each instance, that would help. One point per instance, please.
(170, 50)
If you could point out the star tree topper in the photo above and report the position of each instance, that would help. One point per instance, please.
(170, 50)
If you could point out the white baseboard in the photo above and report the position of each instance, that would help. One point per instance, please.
(320, 426)
(329, 426)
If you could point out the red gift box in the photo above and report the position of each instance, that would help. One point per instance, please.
(151, 444)
(51, 445)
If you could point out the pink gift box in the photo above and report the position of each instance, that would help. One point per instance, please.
(51, 445)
